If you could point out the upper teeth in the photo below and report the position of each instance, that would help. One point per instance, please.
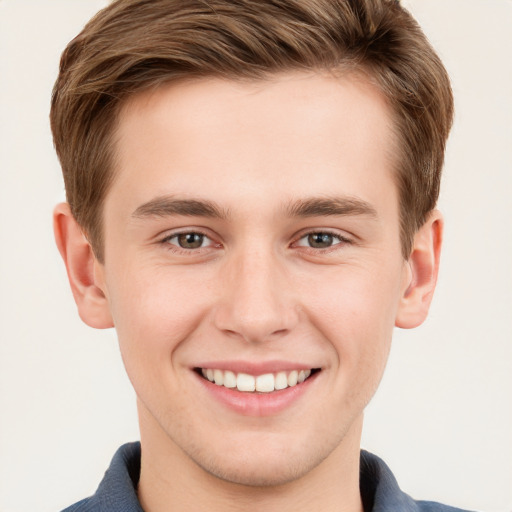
(263, 383)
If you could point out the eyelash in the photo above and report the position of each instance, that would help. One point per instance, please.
(177, 249)
(181, 250)
(342, 241)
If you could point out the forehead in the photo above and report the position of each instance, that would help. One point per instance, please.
(295, 132)
(278, 101)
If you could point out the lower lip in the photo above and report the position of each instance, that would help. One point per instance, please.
(258, 404)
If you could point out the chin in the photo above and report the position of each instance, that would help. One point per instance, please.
(259, 473)
(262, 464)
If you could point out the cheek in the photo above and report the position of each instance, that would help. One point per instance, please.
(153, 313)
(355, 311)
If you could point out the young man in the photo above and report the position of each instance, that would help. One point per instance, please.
(251, 203)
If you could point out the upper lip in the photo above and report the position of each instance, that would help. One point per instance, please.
(255, 368)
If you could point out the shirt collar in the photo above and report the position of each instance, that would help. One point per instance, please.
(117, 491)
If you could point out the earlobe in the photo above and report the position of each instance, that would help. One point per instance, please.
(422, 271)
(82, 268)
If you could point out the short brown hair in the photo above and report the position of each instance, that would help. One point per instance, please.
(133, 45)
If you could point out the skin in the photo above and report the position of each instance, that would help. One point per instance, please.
(255, 290)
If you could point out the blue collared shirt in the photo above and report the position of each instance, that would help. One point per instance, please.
(379, 488)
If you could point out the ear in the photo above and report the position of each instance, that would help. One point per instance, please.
(85, 273)
(422, 269)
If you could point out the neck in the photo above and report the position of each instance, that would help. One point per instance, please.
(171, 481)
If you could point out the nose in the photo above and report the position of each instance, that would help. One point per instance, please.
(256, 302)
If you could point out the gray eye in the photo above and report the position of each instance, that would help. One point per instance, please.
(190, 240)
(320, 240)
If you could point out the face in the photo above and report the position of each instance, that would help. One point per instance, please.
(252, 241)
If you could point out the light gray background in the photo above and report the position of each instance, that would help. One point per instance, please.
(442, 418)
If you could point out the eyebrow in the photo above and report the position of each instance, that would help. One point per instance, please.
(167, 206)
(330, 206)
(164, 206)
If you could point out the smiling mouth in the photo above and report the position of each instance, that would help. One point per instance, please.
(266, 383)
